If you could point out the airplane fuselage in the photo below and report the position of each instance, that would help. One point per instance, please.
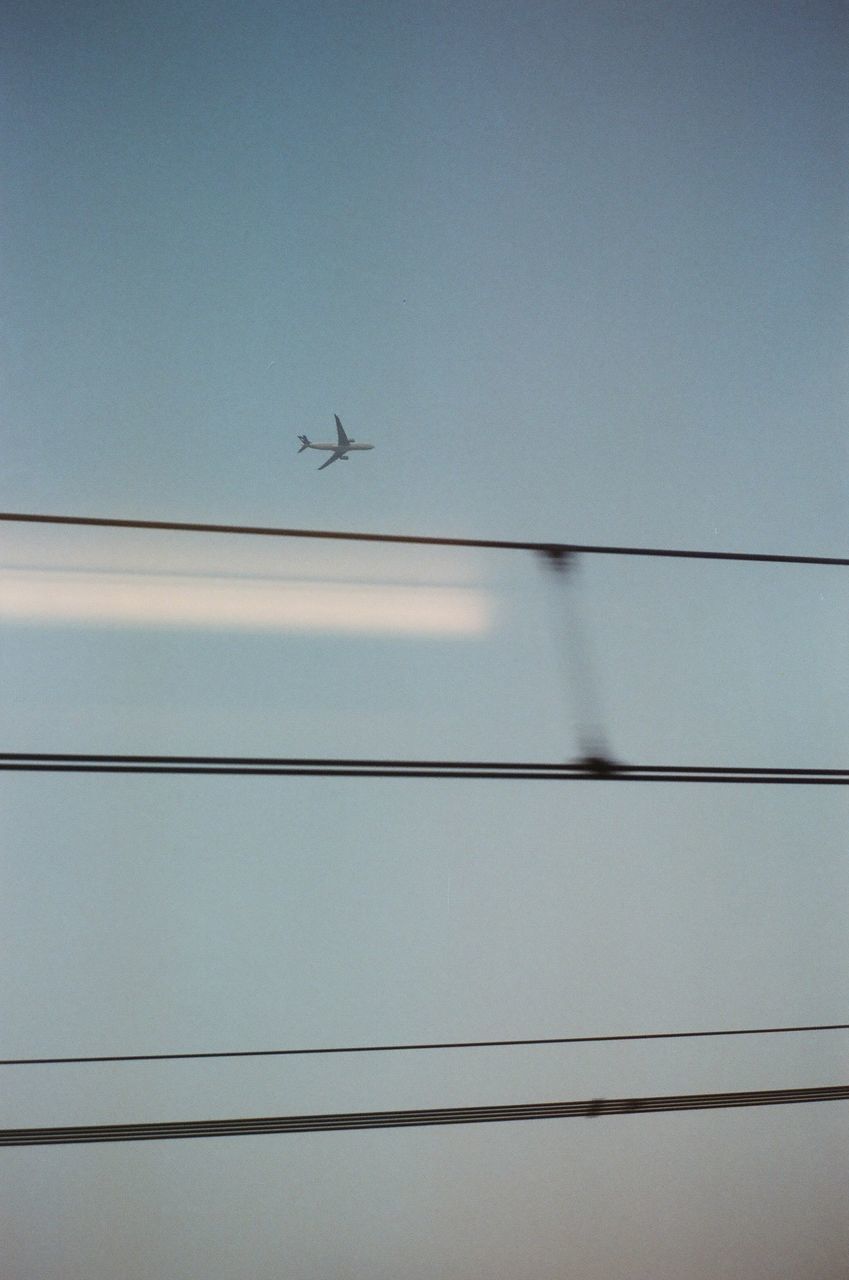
(334, 448)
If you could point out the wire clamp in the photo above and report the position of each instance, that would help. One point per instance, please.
(557, 556)
(600, 766)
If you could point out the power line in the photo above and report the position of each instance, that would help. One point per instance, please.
(592, 1107)
(550, 549)
(592, 768)
(408, 1048)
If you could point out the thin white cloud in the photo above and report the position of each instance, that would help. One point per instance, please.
(103, 599)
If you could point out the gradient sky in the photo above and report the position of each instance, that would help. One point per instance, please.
(579, 273)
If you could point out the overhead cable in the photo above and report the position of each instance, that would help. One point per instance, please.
(592, 768)
(590, 1108)
(417, 1048)
(550, 549)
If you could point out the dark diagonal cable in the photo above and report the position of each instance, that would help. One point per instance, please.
(572, 642)
(590, 1108)
(544, 548)
(417, 1048)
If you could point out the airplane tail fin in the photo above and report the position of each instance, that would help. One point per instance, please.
(305, 444)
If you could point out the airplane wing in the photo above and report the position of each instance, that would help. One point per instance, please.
(343, 439)
(332, 458)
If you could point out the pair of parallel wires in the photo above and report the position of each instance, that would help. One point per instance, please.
(334, 1122)
(596, 761)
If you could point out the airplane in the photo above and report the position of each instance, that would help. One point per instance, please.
(344, 445)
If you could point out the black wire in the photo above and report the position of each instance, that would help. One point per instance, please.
(592, 1107)
(545, 548)
(407, 1048)
(555, 766)
(268, 766)
(332, 762)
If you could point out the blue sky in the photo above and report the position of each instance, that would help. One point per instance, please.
(579, 273)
